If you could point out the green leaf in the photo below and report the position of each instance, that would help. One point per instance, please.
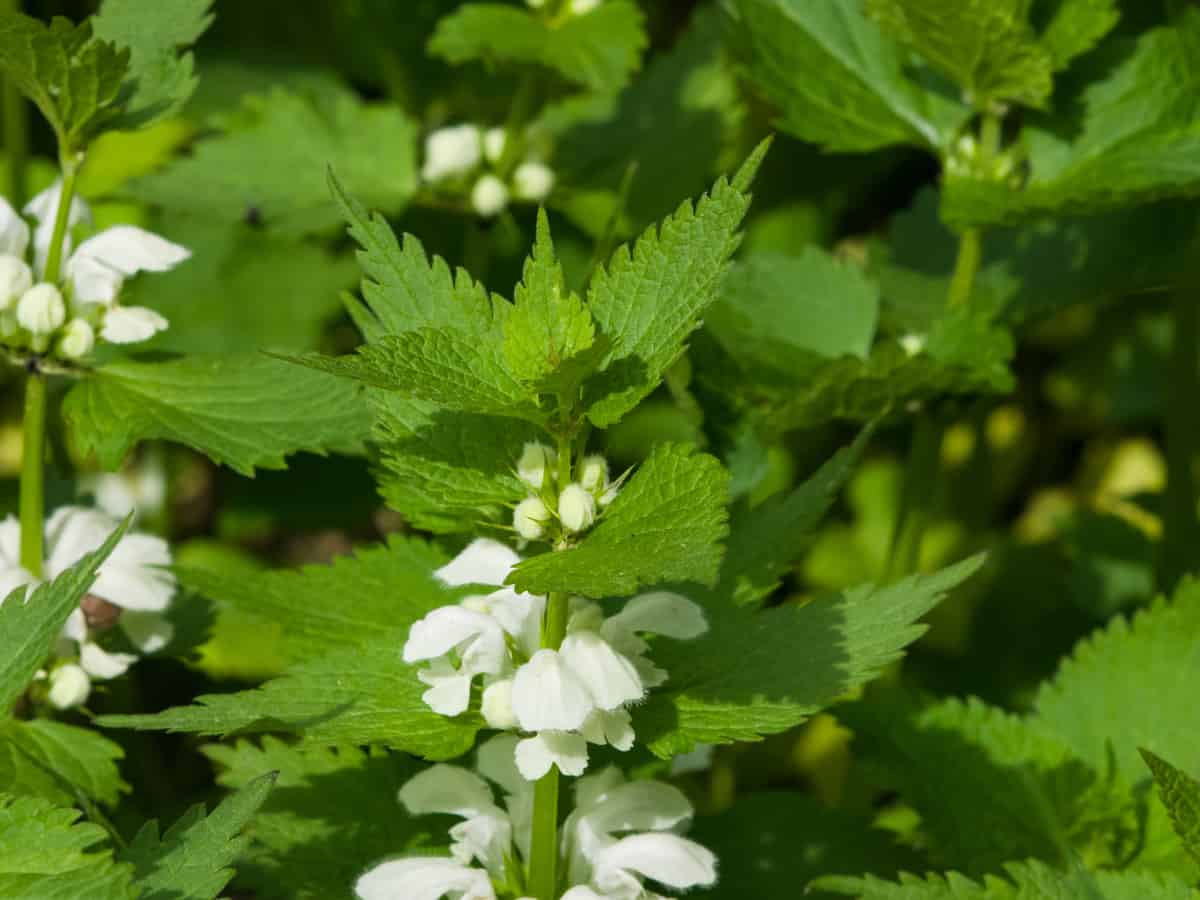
(1075, 26)
(30, 620)
(44, 855)
(760, 673)
(332, 813)
(647, 300)
(392, 586)
(1029, 881)
(274, 168)
(245, 411)
(667, 524)
(359, 695)
(72, 79)
(599, 50)
(59, 762)
(192, 860)
(1180, 794)
(837, 81)
(153, 33)
(987, 46)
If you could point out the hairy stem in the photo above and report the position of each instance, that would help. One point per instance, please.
(1182, 528)
(33, 474)
(16, 128)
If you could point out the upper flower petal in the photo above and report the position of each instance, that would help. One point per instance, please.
(659, 612)
(14, 231)
(448, 627)
(424, 878)
(131, 324)
(610, 678)
(483, 561)
(99, 663)
(548, 696)
(447, 789)
(665, 857)
(99, 265)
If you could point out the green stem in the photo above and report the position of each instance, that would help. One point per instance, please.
(70, 168)
(33, 474)
(966, 266)
(543, 853)
(916, 501)
(16, 128)
(1181, 534)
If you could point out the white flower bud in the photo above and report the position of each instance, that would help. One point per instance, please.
(593, 473)
(494, 140)
(533, 181)
(913, 343)
(536, 461)
(489, 196)
(69, 686)
(583, 7)
(41, 309)
(451, 151)
(15, 279)
(576, 508)
(497, 707)
(77, 340)
(530, 518)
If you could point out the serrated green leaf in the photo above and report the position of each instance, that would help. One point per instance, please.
(667, 524)
(1029, 881)
(648, 299)
(598, 50)
(59, 762)
(274, 168)
(44, 855)
(73, 79)
(153, 33)
(1075, 26)
(360, 695)
(838, 81)
(332, 813)
(760, 673)
(31, 619)
(245, 411)
(1180, 794)
(193, 860)
(987, 46)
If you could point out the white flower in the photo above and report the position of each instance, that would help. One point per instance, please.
(44, 208)
(450, 151)
(576, 508)
(14, 231)
(97, 270)
(610, 678)
(537, 460)
(496, 705)
(485, 835)
(593, 473)
(489, 196)
(533, 181)
(140, 489)
(530, 518)
(77, 339)
(494, 140)
(131, 324)
(15, 279)
(548, 695)
(424, 878)
(535, 756)
(583, 7)
(41, 309)
(658, 612)
(69, 686)
(618, 869)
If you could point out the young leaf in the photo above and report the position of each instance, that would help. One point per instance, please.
(153, 33)
(1180, 794)
(30, 620)
(332, 813)
(598, 50)
(245, 411)
(648, 300)
(1075, 26)
(192, 860)
(838, 81)
(667, 524)
(760, 673)
(987, 46)
(59, 762)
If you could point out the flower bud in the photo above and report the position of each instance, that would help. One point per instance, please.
(15, 279)
(912, 343)
(451, 151)
(41, 309)
(77, 339)
(593, 473)
(536, 461)
(69, 686)
(497, 708)
(489, 196)
(530, 518)
(494, 140)
(583, 7)
(533, 181)
(576, 508)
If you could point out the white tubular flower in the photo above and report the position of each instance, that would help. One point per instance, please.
(494, 140)
(533, 181)
(593, 473)
(14, 231)
(666, 858)
(131, 324)
(548, 695)
(98, 268)
(41, 309)
(489, 196)
(424, 878)
(483, 561)
(530, 518)
(537, 460)
(70, 686)
(609, 677)
(496, 705)
(15, 279)
(478, 640)
(535, 756)
(140, 489)
(12, 575)
(77, 339)
(44, 208)
(450, 151)
(576, 508)
(486, 833)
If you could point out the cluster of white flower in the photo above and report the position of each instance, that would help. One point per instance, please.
(65, 317)
(575, 504)
(461, 155)
(619, 833)
(131, 591)
(562, 699)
